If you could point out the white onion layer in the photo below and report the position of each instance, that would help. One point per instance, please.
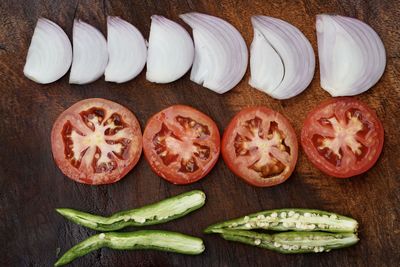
(282, 61)
(221, 56)
(352, 57)
(50, 53)
(90, 55)
(127, 51)
(170, 53)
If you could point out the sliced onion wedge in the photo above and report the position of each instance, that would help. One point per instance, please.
(90, 55)
(352, 57)
(50, 53)
(170, 52)
(127, 51)
(282, 61)
(221, 56)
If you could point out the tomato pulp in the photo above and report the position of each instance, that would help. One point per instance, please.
(96, 141)
(342, 137)
(181, 144)
(260, 146)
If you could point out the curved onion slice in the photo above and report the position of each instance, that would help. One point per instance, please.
(282, 61)
(50, 53)
(351, 55)
(220, 59)
(127, 51)
(90, 54)
(170, 52)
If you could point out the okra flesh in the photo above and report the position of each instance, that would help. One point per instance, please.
(156, 213)
(293, 242)
(290, 220)
(144, 239)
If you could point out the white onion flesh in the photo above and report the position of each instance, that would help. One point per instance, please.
(50, 53)
(221, 56)
(352, 57)
(282, 61)
(127, 51)
(170, 53)
(90, 55)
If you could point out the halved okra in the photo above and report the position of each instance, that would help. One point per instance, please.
(156, 213)
(290, 219)
(145, 239)
(292, 242)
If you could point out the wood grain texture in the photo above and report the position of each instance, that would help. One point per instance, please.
(31, 185)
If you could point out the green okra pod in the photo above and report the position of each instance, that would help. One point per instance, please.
(144, 239)
(290, 220)
(292, 242)
(156, 213)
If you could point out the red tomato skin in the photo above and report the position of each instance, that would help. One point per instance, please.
(308, 146)
(234, 168)
(153, 159)
(79, 176)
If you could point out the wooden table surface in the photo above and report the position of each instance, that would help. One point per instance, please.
(31, 185)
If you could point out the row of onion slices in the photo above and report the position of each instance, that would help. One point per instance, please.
(282, 61)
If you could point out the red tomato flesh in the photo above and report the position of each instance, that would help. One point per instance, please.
(181, 144)
(260, 146)
(96, 141)
(342, 137)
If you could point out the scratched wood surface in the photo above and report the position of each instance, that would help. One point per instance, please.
(31, 185)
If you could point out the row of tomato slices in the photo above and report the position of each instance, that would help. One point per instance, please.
(97, 141)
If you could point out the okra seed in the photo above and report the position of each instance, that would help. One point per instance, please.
(246, 218)
(277, 245)
(234, 224)
(333, 216)
(247, 225)
(291, 213)
(307, 214)
(127, 218)
(285, 224)
(283, 215)
(261, 217)
(321, 249)
(295, 247)
(298, 225)
(102, 236)
(285, 246)
(316, 249)
(296, 215)
(274, 215)
(274, 224)
(311, 226)
(325, 216)
(257, 242)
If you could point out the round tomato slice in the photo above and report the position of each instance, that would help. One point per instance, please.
(342, 137)
(96, 141)
(181, 144)
(260, 146)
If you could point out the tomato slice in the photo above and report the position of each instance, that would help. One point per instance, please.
(342, 137)
(96, 141)
(260, 146)
(181, 144)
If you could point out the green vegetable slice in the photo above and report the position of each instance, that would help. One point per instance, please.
(145, 239)
(290, 220)
(292, 242)
(156, 213)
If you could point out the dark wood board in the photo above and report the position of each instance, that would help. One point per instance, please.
(31, 186)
